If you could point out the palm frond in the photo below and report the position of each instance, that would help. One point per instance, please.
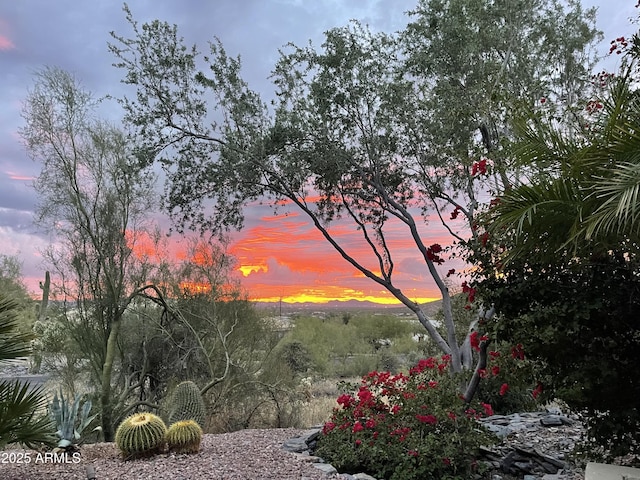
(619, 197)
(23, 418)
(13, 343)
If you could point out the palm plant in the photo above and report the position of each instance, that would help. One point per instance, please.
(22, 419)
(583, 187)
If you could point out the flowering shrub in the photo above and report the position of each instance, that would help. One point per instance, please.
(406, 426)
(509, 381)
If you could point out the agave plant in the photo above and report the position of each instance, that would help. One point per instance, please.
(22, 417)
(70, 420)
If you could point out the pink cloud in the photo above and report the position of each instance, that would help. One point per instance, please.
(6, 44)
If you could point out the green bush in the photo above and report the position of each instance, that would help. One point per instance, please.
(581, 320)
(406, 427)
(353, 348)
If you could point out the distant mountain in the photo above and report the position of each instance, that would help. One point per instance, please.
(343, 305)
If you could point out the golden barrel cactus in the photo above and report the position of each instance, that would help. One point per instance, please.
(140, 435)
(184, 436)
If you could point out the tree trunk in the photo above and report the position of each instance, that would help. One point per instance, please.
(107, 369)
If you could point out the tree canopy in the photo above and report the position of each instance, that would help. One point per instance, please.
(374, 131)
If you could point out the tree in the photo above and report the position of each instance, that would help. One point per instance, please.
(375, 131)
(21, 419)
(567, 269)
(95, 202)
(12, 286)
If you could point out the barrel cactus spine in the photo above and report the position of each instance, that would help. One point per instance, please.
(187, 404)
(141, 435)
(184, 436)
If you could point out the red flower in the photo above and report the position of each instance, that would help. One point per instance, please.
(412, 453)
(357, 427)
(473, 339)
(358, 442)
(432, 253)
(494, 354)
(451, 415)
(429, 419)
(446, 461)
(495, 370)
(517, 352)
(479, 167)
(346, 400)
(482, 373)
(537, 391)
(328, 427)
(503, 389)
(395, 409)
(370, 423)
(488, 409)
(433, 383)
(543, 100)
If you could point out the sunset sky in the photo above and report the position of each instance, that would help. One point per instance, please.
(279, 257)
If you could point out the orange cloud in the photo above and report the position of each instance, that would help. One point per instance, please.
(284, 258)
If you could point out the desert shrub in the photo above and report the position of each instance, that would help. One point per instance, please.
(405, 427)
(296, 356)
(344, 349)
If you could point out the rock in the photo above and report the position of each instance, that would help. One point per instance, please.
(326, 468)
(363, 476)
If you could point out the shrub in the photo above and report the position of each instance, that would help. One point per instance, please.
(405, 427)
(141, 435)
(184, 437)
(508, 365)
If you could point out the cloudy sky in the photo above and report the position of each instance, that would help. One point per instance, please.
(278, 256)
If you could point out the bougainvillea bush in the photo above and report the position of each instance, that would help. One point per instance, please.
(406, 426)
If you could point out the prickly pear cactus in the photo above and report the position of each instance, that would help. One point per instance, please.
(184, 436)
(141, 435)
(187, 404)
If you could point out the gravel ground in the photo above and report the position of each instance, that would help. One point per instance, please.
(242, 455)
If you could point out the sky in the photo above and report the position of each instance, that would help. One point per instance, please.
(279, 257)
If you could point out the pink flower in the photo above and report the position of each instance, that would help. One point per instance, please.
(358, 442)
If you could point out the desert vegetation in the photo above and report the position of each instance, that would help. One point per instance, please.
(508, 141)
